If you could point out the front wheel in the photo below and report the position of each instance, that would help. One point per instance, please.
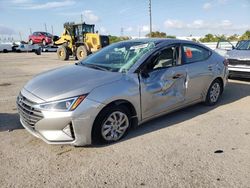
(111, 124)
(214, 93)
(81, 52)
(63, 53)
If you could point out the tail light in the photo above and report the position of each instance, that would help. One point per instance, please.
(226, 62)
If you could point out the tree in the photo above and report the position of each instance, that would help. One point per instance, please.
(220, 37)
(234, 37)
(208, 38)
(246, 35)
(171, 37)
(158, 34)
(213, 38)
(113, 39)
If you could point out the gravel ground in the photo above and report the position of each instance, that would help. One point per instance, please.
(198, 146)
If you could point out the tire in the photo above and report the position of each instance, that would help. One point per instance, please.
(214, 92)
(38, 51)
(81, 52)
(104, 131)
(63, 53)
(31, 42)
(44, 42)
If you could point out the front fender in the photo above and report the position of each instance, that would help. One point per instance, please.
(126, 89)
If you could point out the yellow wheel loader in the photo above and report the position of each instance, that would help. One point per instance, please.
(79, 40)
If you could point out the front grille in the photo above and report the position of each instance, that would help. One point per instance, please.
(239, 74)
(28, 113)
(239, 62)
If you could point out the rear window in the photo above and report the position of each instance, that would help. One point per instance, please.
(193, 53)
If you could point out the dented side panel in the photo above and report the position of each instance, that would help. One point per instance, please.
(163, 89)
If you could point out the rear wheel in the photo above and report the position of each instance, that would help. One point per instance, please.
(63, 53)
(214, 93)
(111, 124)
(44, 42)
(81, 52)
(31, 42)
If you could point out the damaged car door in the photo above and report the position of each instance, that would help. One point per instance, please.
(162, 82)
(200, 70)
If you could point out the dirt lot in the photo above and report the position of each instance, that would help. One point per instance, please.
(177, 150)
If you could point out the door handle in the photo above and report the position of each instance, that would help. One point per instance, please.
(176, 76)
(210, 67)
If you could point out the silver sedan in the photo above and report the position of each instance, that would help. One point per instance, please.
(125, 84)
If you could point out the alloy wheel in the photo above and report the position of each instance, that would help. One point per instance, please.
(115, 126)
(215, 92)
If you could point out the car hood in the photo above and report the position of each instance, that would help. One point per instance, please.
(239, 54)
(68, 81)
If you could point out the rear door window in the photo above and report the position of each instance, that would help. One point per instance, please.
(194, 53)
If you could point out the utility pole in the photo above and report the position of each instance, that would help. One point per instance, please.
(150, 18)
(122, 31)
(81, 18)
(139, 32)
(45, 27)
(30, 31)
(52, 30)
(20, 35)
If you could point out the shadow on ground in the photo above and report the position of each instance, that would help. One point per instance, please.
(233, 92)
(9, 122)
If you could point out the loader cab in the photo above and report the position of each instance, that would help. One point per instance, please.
(78, 31)
(81, 29)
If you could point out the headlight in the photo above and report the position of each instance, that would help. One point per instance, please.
(62, 105)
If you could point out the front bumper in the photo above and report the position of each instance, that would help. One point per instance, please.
(239, 71)
(72, 127)
(239, 68)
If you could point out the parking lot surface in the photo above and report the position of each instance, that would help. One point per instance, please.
(198, 146)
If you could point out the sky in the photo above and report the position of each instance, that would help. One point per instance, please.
(126, 17)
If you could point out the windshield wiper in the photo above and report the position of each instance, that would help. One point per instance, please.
(96, 66)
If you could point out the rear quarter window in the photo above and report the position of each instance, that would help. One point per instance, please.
(194, 53)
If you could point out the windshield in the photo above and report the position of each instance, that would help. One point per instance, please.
(118, 57)
(244, 45)
(47, 34)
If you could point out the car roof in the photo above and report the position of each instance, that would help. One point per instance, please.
(41, 32)
(161, 40)
(166, 41)
(156, 40)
